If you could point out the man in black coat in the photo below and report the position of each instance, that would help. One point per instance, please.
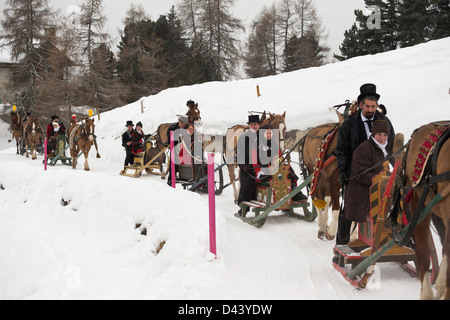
(247, 175)
(127, 144)
(354, 131)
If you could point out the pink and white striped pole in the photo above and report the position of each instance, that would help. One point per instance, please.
(45, 153)
(172, 160)
(212, 205)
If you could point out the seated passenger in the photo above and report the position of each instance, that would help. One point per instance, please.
(369, 154)
(266, 146)
(137, 139)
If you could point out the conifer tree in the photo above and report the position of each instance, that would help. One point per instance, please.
(24, 25)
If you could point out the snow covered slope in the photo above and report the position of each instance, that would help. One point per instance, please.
(68, 234)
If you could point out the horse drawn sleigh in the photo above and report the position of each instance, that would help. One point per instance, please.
(416, 192)
(192, 175)
(276, 195)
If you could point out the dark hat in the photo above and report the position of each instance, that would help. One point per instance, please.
(139, 124)
(380, 126)
(190, 103)
(368, 89)
(253, 119)
(54, 117)
(183, 119)
(129, 123)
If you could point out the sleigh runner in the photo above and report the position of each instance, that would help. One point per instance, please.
(276, 195)
(374, 244)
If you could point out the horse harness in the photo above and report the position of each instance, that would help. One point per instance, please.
(325, 158)
(425, 175)
(84, 134)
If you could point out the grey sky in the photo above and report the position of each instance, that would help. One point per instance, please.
(337, 15)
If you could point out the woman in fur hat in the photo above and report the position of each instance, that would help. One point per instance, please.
(369, 154)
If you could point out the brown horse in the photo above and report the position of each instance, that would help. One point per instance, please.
(154, 146)
(278, 122)
(426, 171)
(194, 113)
(17, 127)
(316, 150)
(81, 138)
(33, 135)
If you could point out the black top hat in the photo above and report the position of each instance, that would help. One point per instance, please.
(368, 89)
(129, 123)
(253, 119)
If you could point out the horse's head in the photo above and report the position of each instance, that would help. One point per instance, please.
(34, 126)
(14, 118)
(90, 129)
(279, 122)
(193, 113)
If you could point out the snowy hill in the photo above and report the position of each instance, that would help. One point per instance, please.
(68, 234)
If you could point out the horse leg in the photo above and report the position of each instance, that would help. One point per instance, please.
(86, 164)
(33, 151)
(232, 176)
(423, 253)
(26, 148)
(323, 219)
(441, 281)
(332, 229)
(74, 152)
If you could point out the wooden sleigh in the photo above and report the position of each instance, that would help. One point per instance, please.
(60, 152)
(276, 195)
(138, 167)
(374, 242)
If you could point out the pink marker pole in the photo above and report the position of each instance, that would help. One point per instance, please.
(45, 153)
(172, 159)
(212, 205)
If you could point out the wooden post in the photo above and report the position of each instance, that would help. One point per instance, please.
(212, 205)
(45, 153)
(258, 92)
(142, 106)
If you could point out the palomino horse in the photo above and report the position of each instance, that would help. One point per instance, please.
(426, 172)
(16, 126)
(316, 157)
(278, 122)
(81, 138)
(33, 135)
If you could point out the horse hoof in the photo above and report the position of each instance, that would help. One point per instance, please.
(329, 237)
(321, 235)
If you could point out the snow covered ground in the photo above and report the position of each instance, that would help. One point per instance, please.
(68, 234)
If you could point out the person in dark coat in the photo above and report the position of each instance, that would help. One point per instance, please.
(181, 124)
(354, 131)
(369, 154)
(247, 174)
(137, 139)
(127, 144)
(265, 147)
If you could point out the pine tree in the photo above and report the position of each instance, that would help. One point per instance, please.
(24, 25)
(415, 22)
(212, 28)
(440, 15)
(366, 36)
